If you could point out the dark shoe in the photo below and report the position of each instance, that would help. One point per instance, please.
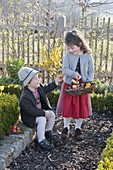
(78, 134)
(49, 135)
(45, 145)
(65, 133)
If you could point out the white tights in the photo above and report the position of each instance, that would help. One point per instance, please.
(44, 125)
(78, 122)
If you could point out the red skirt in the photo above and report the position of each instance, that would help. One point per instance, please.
(73, 106)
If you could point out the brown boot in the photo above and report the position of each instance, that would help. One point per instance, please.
(65, 133)
(78, 134)
(50, 135)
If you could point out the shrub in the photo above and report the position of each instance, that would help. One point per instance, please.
(102, 101)
(109, 101)
(106, 162)
(13, 65)
(98, 101)
(100, 88)
(9, 112)
(11, 89)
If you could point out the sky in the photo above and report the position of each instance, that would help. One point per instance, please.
(98, 1)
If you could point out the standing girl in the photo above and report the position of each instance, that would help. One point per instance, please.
(78, 65)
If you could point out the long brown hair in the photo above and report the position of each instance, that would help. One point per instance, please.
(75, 37)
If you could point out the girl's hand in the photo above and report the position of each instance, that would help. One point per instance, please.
(78, 76)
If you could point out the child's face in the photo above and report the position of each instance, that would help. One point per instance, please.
(74, 49)
(34, 83)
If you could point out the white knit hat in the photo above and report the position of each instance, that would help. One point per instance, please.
(25, 74)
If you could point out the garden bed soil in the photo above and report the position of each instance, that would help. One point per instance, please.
(70, 154)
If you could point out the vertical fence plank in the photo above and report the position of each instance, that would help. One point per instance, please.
(28, 56)
(85, 25)
(48, 76)
(112, 68)
(3, 41)
(90, 38)
(107, 46)
(23, 41)
(12, 46)
(18, 41)
(102, 43)
(33, 39)
(7, 42)
(96, 40)
(38, 46)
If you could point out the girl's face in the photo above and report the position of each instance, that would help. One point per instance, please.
(74, 49)
(34, 83)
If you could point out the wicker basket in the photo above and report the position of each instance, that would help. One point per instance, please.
(80, 91)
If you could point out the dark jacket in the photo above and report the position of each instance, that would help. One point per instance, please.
(28, 108)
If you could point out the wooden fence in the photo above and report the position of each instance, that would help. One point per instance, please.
(99, 33)
(26, 42)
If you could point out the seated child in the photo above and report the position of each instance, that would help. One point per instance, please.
(35, 108)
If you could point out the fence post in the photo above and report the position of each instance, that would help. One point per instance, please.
(60, 29)
(61, 24)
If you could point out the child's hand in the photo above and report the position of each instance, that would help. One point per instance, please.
(78, 76)
(59, 79)
(48, 114)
